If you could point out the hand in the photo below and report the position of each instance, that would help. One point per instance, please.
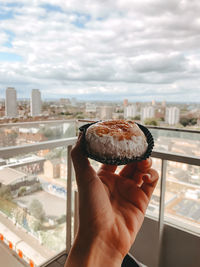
(111, 207)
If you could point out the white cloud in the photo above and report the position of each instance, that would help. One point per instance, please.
(147, 47)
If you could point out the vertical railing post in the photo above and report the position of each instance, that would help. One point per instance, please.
(162, 204)
(76, 217)
(69, 200)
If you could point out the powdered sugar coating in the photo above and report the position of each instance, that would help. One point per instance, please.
(116, 139)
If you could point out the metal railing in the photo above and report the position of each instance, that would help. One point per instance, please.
(26, 123)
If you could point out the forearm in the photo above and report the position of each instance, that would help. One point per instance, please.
(90, 253)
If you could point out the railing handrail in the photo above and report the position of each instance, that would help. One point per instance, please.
(35, 122)
(11, 151)
(191, 160)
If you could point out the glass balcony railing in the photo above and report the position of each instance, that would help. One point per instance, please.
(14, 134)
(38, 197)
(33, 200)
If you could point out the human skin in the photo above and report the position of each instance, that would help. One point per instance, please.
(111, 209)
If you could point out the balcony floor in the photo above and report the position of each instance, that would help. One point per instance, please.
(128, 262)
(59, 262)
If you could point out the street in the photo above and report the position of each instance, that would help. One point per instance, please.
(7, 259)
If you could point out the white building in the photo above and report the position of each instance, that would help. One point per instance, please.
(105, 112)
(130, 111)
(11, 102)
(172, 115)
(147, 112)
(90, 107)
(36, 103)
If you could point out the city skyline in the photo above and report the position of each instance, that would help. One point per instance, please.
(114, 99)
(141, 51)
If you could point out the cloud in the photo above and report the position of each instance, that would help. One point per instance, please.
(137, 48)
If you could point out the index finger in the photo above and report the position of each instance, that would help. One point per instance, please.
(128, 170)
(108, 168)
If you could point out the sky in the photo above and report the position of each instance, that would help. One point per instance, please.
(101, 50)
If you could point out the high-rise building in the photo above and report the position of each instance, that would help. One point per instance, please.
(130, 111)
(11, 102)
(90, 108)
(172, 115)
(36, 103)
(125, 102)
(105, 112)
(147, 112)
(163, 104)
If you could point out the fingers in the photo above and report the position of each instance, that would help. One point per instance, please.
(81, 163)
(150, 180)
(136, 195)
(138, 177)
(128, 170)
(107, 168)
(144, 165)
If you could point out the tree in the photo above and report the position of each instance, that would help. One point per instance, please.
(137, 118)
(184, 121)
(36, 209)
(151, 121)
(188, 121)
(5, 193)
(22, 191)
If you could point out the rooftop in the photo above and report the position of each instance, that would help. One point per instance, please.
(9, 176)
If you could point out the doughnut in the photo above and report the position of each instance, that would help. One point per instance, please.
(115, 139)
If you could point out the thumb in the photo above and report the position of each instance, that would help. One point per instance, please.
(83, 170)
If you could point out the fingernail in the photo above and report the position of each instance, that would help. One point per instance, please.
(146, 177)
(148, 161)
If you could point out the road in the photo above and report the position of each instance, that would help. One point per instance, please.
(7, 259)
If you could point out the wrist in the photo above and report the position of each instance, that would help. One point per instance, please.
(93, 251)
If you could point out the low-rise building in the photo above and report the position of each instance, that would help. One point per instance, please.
(52, 168)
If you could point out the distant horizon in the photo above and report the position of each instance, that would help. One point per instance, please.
(105, 100)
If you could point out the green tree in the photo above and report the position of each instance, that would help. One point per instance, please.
(151, 121)
(36, 209)
(21, 191)
(5, 192)
(137, 118)
(184, 121)
(188, 121)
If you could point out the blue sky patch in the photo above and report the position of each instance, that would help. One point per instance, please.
(81, 20)
(7, 10)
(10, 57)
(4, 14)
(11, 36)
(52, 8)
(14, 4)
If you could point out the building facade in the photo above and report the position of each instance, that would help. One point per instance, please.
(130, 111)
(147, 112)
(105, 112)
(11, 102)
(172, 115)
(36, 103)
